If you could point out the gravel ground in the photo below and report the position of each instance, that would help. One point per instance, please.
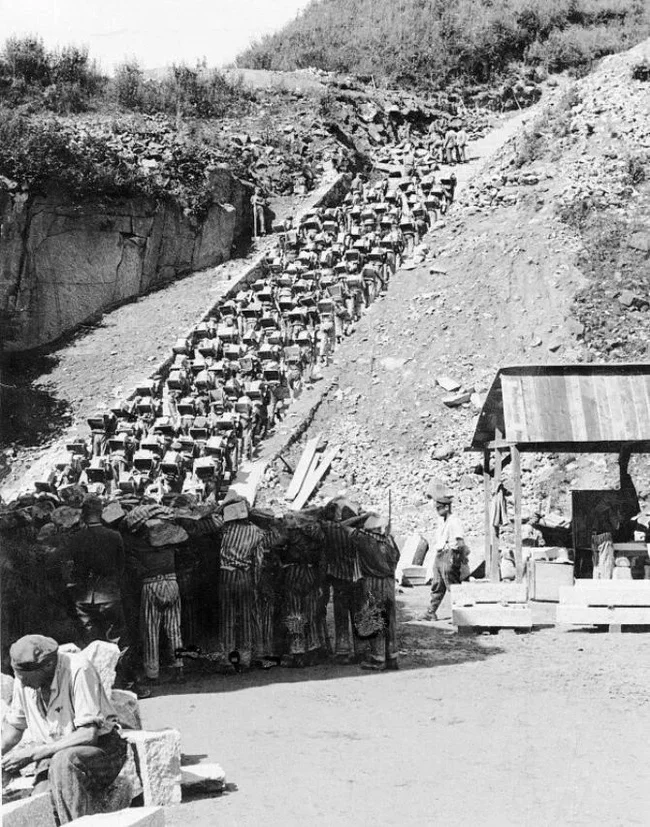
(536, 729)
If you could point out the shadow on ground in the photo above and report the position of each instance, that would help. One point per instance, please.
(420, 647)
(29, 415)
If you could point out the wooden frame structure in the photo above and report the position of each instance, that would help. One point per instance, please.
(582, 408)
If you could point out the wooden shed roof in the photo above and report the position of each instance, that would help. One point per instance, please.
(568, 408)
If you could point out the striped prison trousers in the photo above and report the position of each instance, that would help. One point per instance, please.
(383, 647)
(160, 605)
(235, 613)
(303, 609)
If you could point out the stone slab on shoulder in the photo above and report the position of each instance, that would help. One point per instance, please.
(132, 817)
(35, 811)
(158, 756)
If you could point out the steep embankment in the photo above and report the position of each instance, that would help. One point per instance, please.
(62, 262)
(509, 280)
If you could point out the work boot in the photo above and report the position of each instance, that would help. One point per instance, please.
(429, 615)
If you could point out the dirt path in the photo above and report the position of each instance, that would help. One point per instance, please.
(534, 730)
(103, 362)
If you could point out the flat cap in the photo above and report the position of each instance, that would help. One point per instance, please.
(29, 652)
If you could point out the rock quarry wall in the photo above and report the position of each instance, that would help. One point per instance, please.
(62, 263)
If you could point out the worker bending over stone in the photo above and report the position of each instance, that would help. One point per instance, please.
(74, 734)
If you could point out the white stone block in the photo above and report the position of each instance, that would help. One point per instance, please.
(205, 777)
(69, 648)
(104, 657)
(35, 811)
(135, 817)
(127, 708)
(158, 757)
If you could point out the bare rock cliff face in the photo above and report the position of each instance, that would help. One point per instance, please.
(62, 263)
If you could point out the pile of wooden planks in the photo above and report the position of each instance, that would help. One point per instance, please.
(314, 463)
(491, 606)
(612, 603)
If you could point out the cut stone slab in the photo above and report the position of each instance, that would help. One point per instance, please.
(209, 778)
(113, 513)
(127, 708)
(448, 384)
(457, 399)
(104, 657)
(158, 755)
(35, 811)
(132, 817)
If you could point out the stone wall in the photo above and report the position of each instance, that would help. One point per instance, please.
(61, 263)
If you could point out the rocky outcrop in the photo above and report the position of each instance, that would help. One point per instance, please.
(62, 263)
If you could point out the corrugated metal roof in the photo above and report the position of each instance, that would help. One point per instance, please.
(568, 407)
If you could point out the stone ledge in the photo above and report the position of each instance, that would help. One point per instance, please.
(133, 817)
(35, 811)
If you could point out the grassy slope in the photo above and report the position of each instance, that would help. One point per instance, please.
(433, 41)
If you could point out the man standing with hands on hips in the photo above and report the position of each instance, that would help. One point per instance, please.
(451, 554)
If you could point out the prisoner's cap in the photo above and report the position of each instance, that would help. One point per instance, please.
(92, 504)
(29, 652)
(443, 499)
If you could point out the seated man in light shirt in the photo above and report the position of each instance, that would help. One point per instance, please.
(451, 553)
(73, 729)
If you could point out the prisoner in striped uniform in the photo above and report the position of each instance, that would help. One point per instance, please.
(267, 586)
(378, 556)
(303, 583)
(242, 546)
(344, 576)
(160, 606)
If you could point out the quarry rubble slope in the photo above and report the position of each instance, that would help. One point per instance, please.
(502, 286)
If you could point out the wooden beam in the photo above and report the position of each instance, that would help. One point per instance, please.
(469, 594)
(302, 469)
(515, 616)
(314, 478)
(602, 616)
(516, 475)
(487, 488)
(495, 574)
(608, 593)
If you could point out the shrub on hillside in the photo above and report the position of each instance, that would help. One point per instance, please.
(64, 81)
(43, 155)
(197, 92)
(429, 42)
(127, 83)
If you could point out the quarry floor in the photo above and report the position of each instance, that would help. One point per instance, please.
(546, 728)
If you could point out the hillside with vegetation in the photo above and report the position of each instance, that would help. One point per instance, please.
(435, 42)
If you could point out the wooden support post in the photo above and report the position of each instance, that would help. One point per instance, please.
(495, 574)
(487, 526)
(516, 475)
